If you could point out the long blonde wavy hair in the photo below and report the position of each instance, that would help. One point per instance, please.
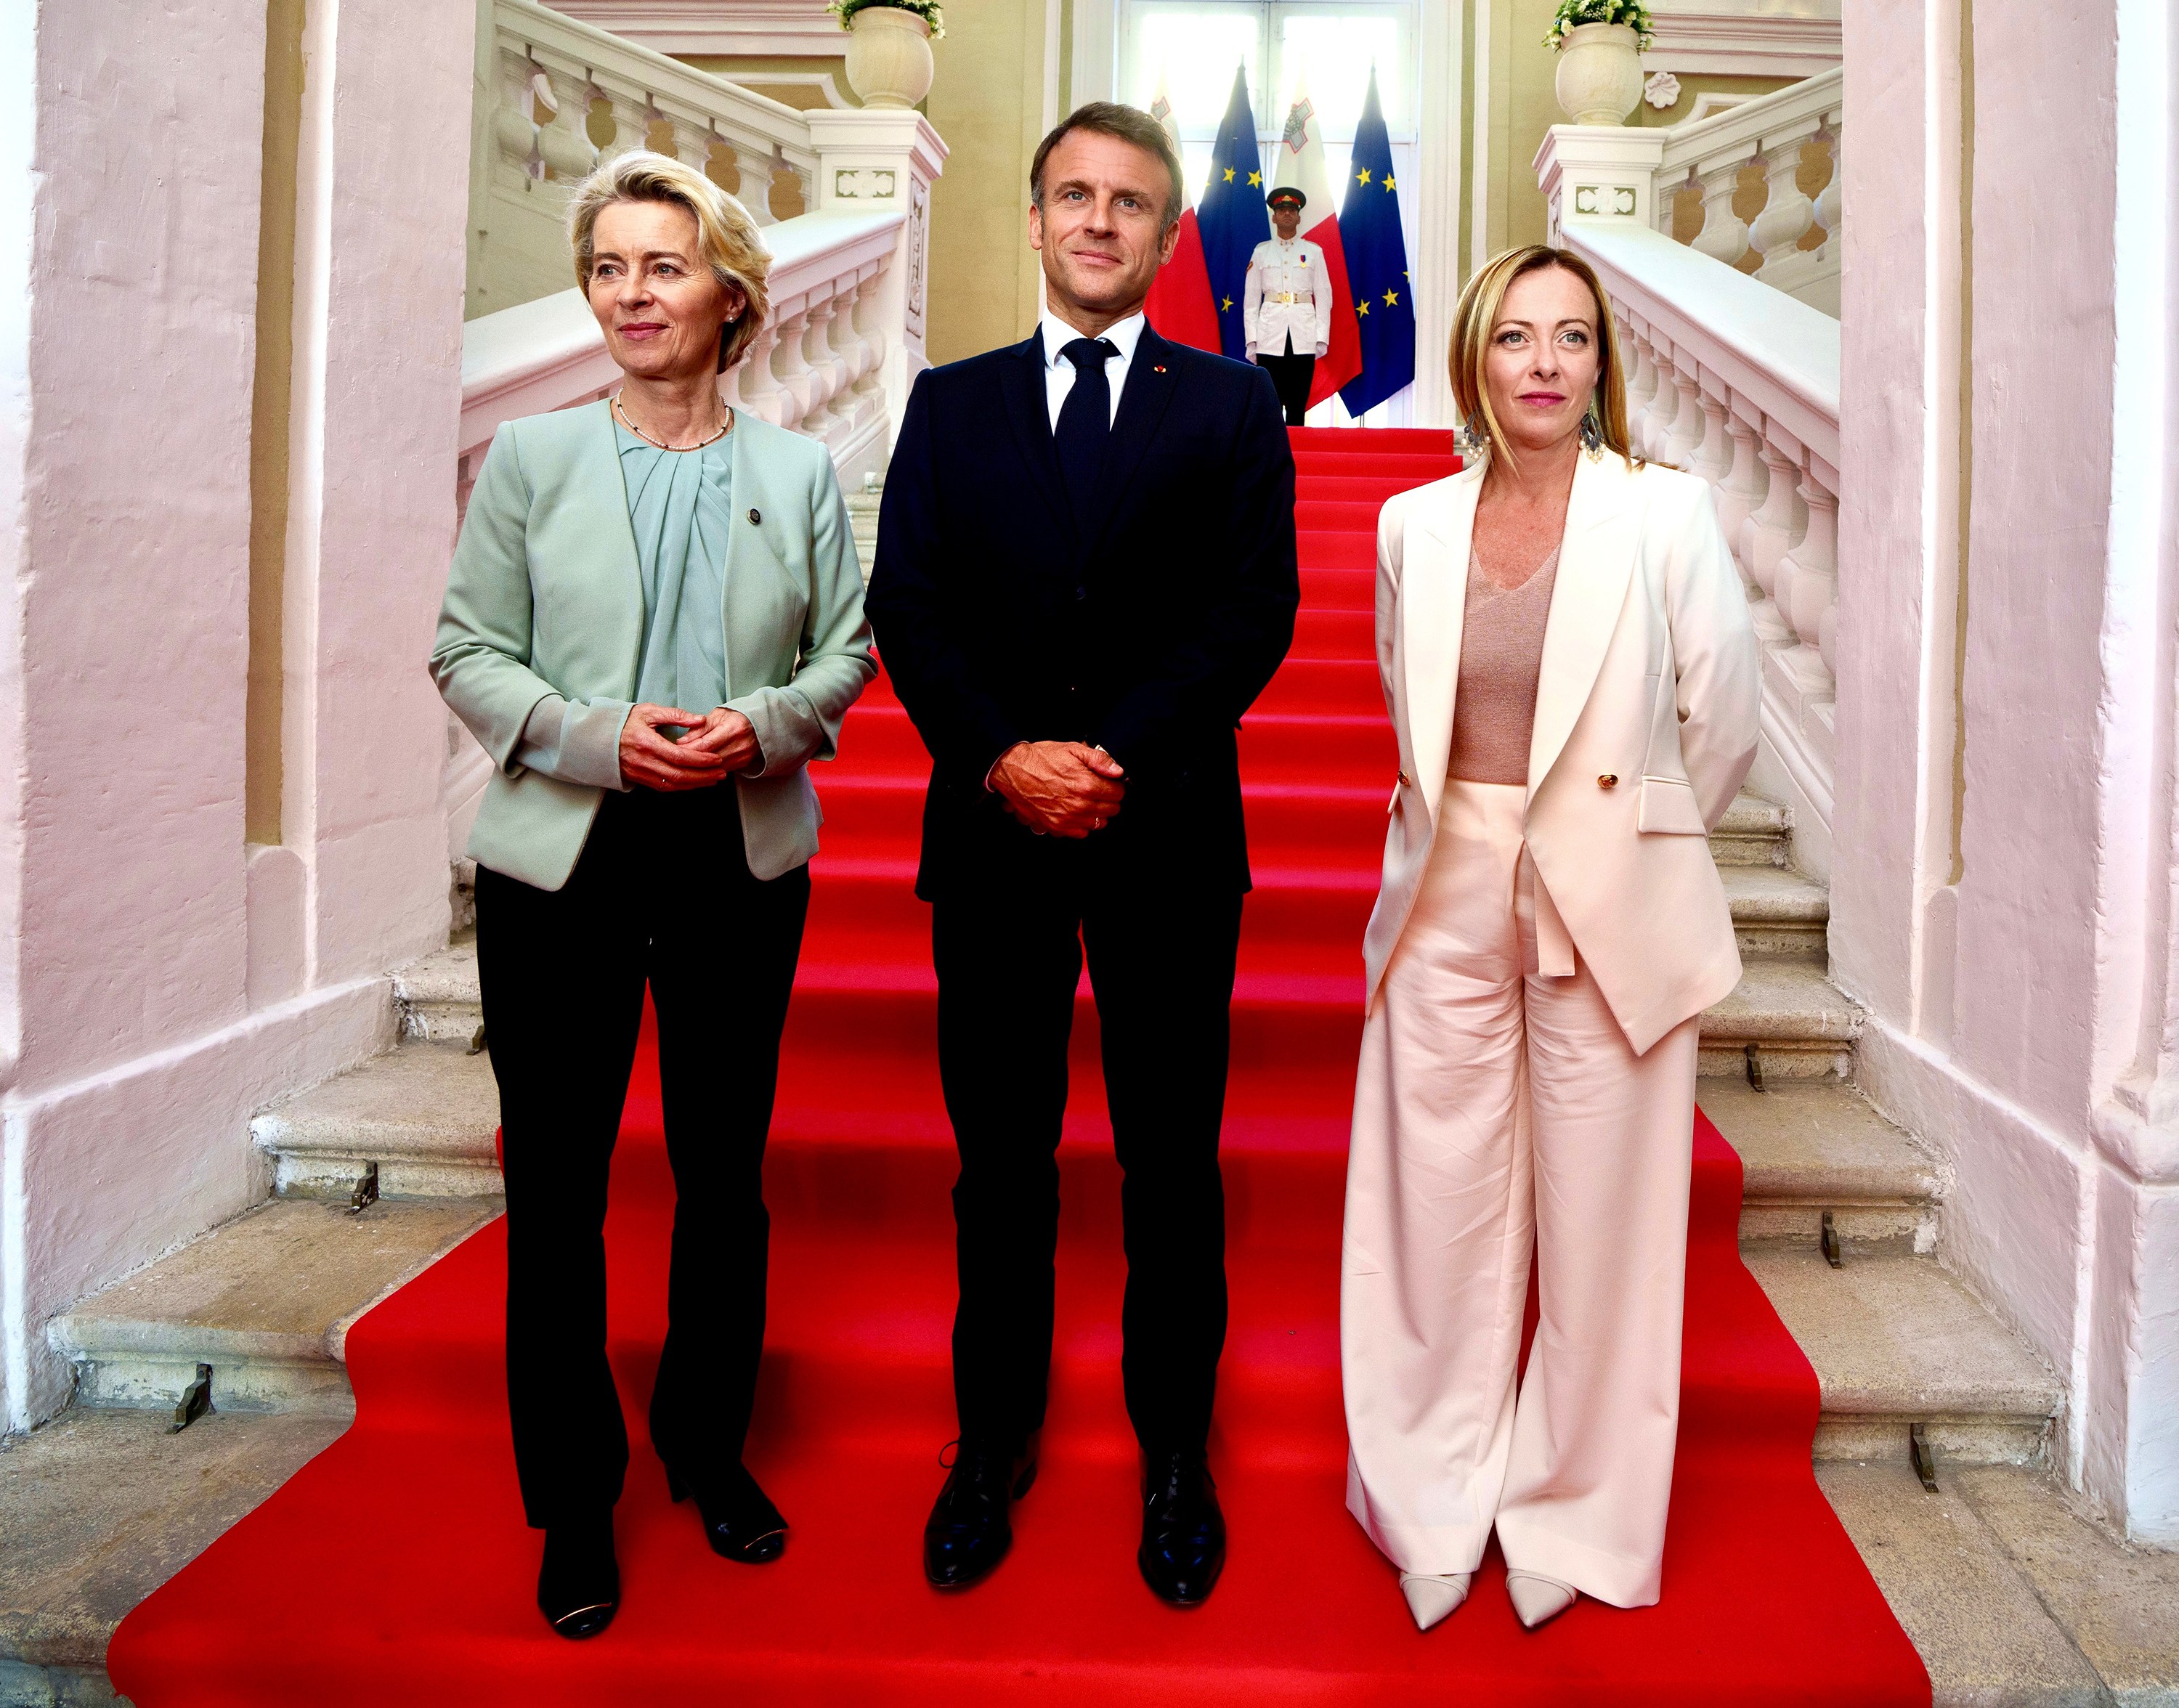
(1478, 312)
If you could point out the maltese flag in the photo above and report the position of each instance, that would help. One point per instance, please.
(1299, 161)
(1179, 306)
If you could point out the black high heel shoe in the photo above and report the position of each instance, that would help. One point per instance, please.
(579, 1584)
(740, 1522)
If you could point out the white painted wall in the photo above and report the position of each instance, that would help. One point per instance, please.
(2012, 1008)
(136, 1043)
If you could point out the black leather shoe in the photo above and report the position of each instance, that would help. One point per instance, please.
(969, 1531)
(740, 1522)
(579, 1584)
(1183, 1532)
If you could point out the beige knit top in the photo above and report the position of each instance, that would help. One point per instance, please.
(1502, 657)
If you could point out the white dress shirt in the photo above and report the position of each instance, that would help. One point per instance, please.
(1059, 372)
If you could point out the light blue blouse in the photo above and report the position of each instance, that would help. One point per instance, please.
(680, 504)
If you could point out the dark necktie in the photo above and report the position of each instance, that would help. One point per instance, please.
(1086, 423)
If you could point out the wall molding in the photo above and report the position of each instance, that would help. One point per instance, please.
(769, 28)
(1731, 44)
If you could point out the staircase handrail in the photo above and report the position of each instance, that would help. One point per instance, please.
(1774, 351)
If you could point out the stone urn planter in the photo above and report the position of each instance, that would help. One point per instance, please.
(1600, 75)
(889, 62)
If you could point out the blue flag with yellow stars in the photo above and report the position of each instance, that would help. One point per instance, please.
(1376, 264)
(1232, 215)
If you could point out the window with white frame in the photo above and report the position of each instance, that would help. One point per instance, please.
(1192, 47)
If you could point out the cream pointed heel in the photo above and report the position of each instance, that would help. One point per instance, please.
(1537, 1598)
(1431, 1598)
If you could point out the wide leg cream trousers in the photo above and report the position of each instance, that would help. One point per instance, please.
(1499, 1110)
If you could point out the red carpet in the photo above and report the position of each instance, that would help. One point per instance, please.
(396, 1568)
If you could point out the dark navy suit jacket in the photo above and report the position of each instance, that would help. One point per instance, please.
(1148, 626)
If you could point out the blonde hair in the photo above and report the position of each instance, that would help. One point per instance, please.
(1478, 313)
(726, 236)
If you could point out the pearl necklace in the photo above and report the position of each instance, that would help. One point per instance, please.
(620, 410)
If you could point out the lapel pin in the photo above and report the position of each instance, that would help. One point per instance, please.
(1157, 368)
(756, 516)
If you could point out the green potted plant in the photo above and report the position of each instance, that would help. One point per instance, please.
(889, 62)
(1600, 44)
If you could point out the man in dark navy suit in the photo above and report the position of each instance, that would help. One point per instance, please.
(1085, 575)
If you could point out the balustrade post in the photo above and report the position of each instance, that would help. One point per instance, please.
(1766, 536)
(1641, 376)
(790, 370)
(1830, 200)
(563, 142)
(822, 421)
(1742, 491)
(1713, 457)
(748, 383)
(514, 129)
(1664, 405)
(1679, 447)
(754, 166)
(1812, 566)
(1723, 237)
(1788, 213)
(869, 328)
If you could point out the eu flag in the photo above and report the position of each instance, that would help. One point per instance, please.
(1232, 215)
(1376, 264)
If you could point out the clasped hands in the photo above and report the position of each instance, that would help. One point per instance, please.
(1060, 788)
(713, 745)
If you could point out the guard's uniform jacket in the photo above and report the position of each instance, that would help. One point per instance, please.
(1288, 293)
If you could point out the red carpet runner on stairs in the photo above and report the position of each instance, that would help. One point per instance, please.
(395, 1568)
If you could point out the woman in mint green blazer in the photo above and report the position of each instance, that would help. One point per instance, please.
(653, 623)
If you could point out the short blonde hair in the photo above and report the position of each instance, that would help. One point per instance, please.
(726, 236)
(1478, 312)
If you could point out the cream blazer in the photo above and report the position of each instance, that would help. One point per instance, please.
(1645, 726)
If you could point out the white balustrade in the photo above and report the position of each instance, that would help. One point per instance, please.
(1609, 172)
(838, 331)
(1739, 383)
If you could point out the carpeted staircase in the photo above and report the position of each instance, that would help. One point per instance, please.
(403, 1540)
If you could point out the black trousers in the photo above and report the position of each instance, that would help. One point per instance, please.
(1162, 969)
(1290, 376)
(662, 895)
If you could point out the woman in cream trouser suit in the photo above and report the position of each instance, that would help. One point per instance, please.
(1543, 945)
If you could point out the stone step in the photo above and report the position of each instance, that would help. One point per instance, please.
(265, 1300)
(1800, 1025)
(2012, 1595)
(1809, 1147)
(99, 1509)
(437, 996)
(1753, 832)
(425, 1114)
(1898, 1341)
(1777, 911)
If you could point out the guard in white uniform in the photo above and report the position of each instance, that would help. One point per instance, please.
(1287, 304)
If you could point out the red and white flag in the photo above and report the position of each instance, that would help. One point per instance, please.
(1179, 306)
(1299, 161)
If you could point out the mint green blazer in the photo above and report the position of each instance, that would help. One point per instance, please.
(545, 596)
